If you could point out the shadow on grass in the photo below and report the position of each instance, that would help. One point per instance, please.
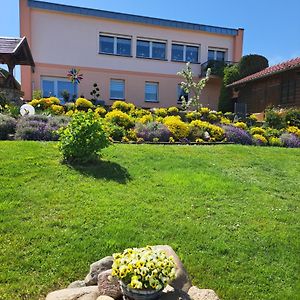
(102, 169)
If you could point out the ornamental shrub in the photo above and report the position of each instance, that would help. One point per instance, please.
(257, 130)
(252, 63)
(139, 112)
(57, 109)
(119, 118)
(173, 111)
(193, 115)
(295, 130)
(123, 106)
(215, 132)
(275, 141)
(101, 111)
(145, 119)
(44, 103)
(260, 140)
(153, 130)
(83, 139)
(289, 140)
(161, 112)
(237, 135)
(82, 103)
(39, 127)
(178, 128)
(7, 126)
(241, 125)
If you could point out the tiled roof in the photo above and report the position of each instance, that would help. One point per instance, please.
(130, 18)
(9, 45)
(282, 67)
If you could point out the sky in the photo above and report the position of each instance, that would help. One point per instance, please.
(272, 27)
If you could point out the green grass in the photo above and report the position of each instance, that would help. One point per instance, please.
(231, 213)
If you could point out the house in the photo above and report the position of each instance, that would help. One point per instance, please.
(132, 58)
(278, 85)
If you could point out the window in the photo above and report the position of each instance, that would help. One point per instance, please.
(151, 49)
(52, 86)
(115, 45)
(117, 89)
(218, 55)
(181, 93)
(185, 53)
(151, 92)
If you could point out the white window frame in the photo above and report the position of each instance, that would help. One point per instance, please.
(154, 83)
(115, 37)
(185, 45)
(215, 52)
(116, 98)
(55, 80)
(151, 41)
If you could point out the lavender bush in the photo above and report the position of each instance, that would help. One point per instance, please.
(289, 140)
(39, 128)
(7, 126)
(237, 135)
(153, 130)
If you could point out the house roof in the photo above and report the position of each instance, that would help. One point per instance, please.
(15, 51)
(282, 67)
(130, 18)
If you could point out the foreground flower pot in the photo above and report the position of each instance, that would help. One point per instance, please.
(140, 294)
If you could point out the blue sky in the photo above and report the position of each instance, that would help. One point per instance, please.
(272, 27)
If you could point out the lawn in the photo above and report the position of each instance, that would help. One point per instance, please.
(231, 213)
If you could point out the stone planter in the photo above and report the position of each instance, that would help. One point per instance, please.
(143, 294)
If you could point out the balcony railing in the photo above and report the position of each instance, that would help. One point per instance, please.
(216, 67)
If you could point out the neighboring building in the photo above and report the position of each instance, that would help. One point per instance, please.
(278, 85)
(131, 57)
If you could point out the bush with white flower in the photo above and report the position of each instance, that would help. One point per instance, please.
(143, 268)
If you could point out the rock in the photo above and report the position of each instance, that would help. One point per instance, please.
(182, 281)
(96, 268)
(83, 293)
(103, 297)
(109, 285)
(76, 284)
(202, 294)
(169, 293)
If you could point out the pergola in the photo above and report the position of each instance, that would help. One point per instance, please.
(15, 51)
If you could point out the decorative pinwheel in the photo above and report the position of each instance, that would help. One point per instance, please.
(75, 76)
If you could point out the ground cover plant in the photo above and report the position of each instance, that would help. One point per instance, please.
(231, 213)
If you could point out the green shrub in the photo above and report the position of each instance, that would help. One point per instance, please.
(83, 139)
(274, 118)
(260, 140)
(123, 106)
(101, 111)
(271, 132)
(292, 117)
(161, 112)
(7, 126)
(293, 129)
(252, 63)
(178, 128)
(119, 118)
(82, 103)
(115, 132)
(193, 115)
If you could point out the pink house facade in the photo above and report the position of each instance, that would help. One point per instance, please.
(131, 58)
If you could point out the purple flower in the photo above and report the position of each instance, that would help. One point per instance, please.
(237, 135)
(153, 130)
(290, 140)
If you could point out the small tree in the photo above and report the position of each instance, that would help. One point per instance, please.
(190, 86)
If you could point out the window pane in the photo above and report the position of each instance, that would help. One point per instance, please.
(48, 88)
(177, 52)
(117, 88)
(151, 92)
(220, 55)
(66, 86)
(106, 44)
(143, 49)
(192, 54)
(211, 55)
(158, 50)
(123, 46)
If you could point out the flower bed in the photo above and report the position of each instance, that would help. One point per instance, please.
(123, 122)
